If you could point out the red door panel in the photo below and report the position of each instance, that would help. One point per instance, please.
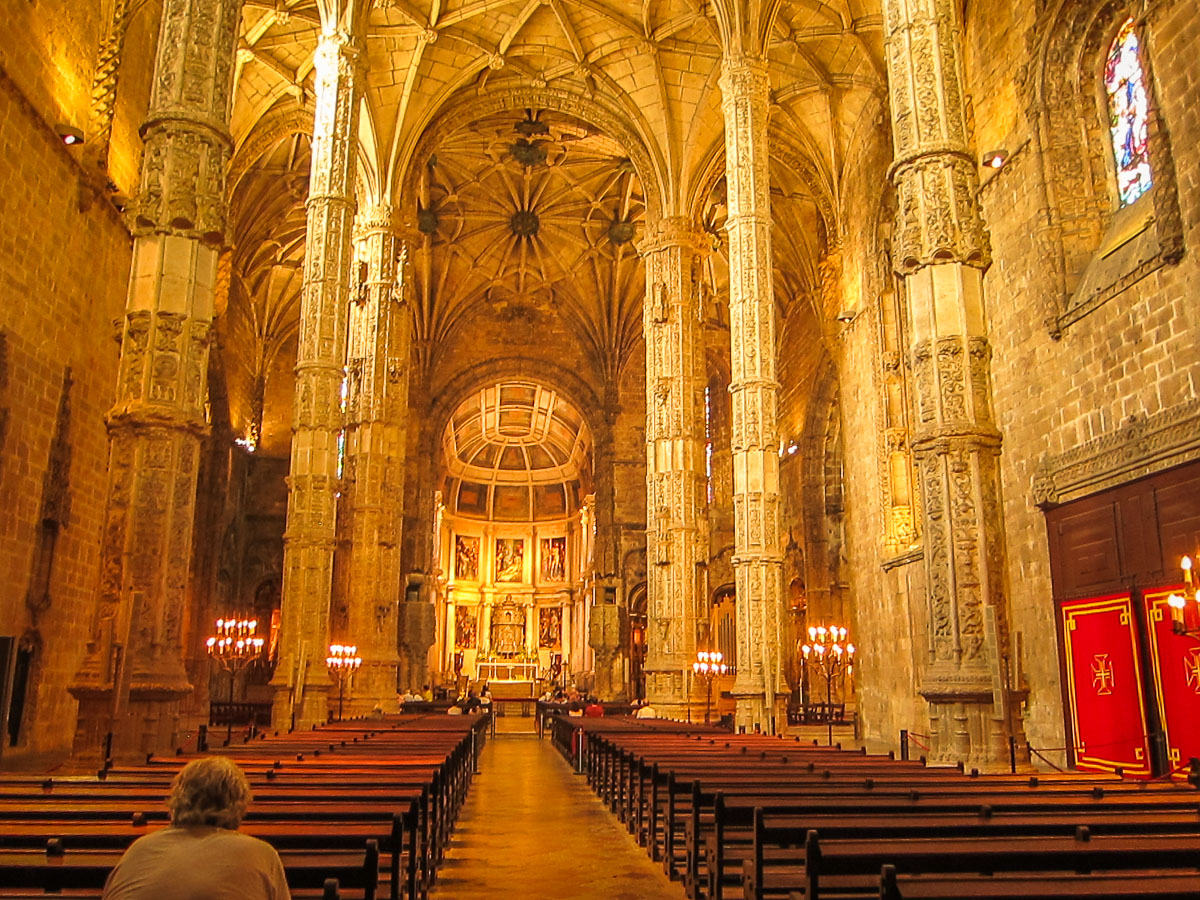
(1175, 668)
(1104, 685)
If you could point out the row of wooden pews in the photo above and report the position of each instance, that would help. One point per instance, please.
(770, 819)
(355, 809)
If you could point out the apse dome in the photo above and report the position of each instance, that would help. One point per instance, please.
(518, 452)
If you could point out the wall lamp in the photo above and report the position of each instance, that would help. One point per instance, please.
(994, 159)
(69, 134)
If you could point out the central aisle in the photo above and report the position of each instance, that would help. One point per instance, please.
(533, 830)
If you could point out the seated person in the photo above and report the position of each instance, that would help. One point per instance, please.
(593, 708)
(455, 710)
(427, 693)
(201, 855)
(473, 703)
(645, 711)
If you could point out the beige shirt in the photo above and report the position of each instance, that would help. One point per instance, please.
(198, 863)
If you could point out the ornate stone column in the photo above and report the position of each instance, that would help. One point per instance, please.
(376, 445)
(758, 559)
(133, 676)
(677, 540)
(942, 250)
(301, 681)
(608, 617)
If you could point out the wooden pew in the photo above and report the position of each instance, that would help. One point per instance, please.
(317, 792)
(53, 870)
(847, 867)
(1135, 885)
(666, 784)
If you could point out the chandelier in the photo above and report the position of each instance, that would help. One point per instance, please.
(708, 665)
(343, 659)
(234, 644)
(830, 655)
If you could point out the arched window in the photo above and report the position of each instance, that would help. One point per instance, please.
(341, 438)
(708, 441)
(1128, 111)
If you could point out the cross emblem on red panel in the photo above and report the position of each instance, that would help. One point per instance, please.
(1191, 668)
(1102, 675)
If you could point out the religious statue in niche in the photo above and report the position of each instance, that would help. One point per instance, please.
(466, 558)
(550, 627)
(465, 627)
(554, 559)
(510, 559)
(508, 629)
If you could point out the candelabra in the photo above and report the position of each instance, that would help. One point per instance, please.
(342, 660)
(831, 656)
(234, 645)
(1185, 607)
(708, 665)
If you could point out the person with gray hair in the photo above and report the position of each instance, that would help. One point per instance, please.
(201, 855)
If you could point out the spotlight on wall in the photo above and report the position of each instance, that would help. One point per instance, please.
(120, 201)
(846, 315)
(69, 133)
(994, 159)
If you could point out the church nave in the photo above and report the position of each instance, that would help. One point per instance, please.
(532, 829)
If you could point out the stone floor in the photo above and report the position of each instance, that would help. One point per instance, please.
(532, 830)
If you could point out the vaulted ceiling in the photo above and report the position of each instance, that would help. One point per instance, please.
(528, 141)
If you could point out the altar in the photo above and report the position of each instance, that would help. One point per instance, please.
(506, 670)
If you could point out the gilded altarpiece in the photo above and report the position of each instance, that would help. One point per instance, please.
(550, 628)
(466, 558)
(466, 628)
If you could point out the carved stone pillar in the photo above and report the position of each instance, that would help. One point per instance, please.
(133, 676)
(418, 631)
(301, 681)
(378, 363)
(942, 251)
(608, 633)
(676, 485)
(608, 627)
(758, 559)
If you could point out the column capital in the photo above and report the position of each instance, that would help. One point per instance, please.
(337, 46)
(377, 217)
(683, 232)
(744, 75)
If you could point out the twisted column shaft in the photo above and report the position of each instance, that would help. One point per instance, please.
(301, 681)
(675, 472)
(758, 560)
(376, 444)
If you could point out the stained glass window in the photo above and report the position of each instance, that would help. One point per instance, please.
(1128, 110)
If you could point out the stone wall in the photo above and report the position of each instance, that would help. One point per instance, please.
(62, 285)
(1135, 355)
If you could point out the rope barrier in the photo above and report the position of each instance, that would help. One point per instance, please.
(1048, 762)
(1182, 767)
(1151, 737)
(912, 737)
